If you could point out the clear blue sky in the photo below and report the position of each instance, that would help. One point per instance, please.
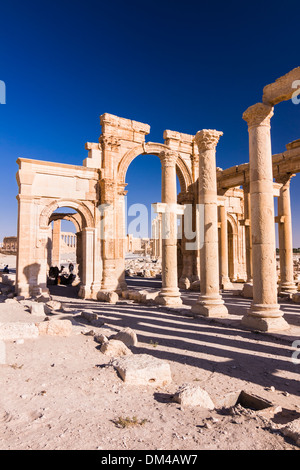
(175, 65)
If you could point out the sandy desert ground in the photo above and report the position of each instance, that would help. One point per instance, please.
(63, 393)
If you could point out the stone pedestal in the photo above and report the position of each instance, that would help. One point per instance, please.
(210, 303)
(264, 314)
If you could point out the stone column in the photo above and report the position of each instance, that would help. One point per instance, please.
(169, 295)
(248, 239)
(264, 314)
(210, 303)
(30, 258)
(248, 286)
(188, 254)
(224, 279)
(79, 254)
(110, 281)
(56, 236)
(159, 244)
(88, 236)
(285, 238)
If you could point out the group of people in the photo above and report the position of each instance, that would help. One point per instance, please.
(61, 276)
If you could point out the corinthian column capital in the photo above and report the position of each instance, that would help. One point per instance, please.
(168, 158)
(207, 139)
(284, 179)
(258, 115)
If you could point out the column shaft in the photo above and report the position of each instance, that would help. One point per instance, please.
(224, 279)
(264, 313)
(285, 238)
(210, 302)
(56, 236)
(169, 294)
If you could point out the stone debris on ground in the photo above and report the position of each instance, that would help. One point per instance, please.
(192, 395)
(76, 349)
(143, 369)
(115, 348)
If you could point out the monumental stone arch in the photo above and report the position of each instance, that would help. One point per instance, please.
(237, 222)
(123, 140)
(43, 188)
(96, 191)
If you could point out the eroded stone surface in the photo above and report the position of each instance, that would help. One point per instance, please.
(17, 330)
(55, 328)
(143, 369)
(191, 395)
(115, 348)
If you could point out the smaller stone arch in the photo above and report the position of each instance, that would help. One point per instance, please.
(152, 148)
(233, 223)
(80, 207)
(74, 218)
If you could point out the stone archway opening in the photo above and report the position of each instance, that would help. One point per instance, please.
(79, 271)
(64, 252)
(151, 193)
(143, 243)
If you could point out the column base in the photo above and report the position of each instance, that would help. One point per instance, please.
(169, 298)
(95, 287)
(23, 290)
(84, 292)
(265, 318)
(265, 324)
(287, 288)
(210, 307)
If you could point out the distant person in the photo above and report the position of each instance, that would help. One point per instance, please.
(6, 270)
(53, 274)
(71, 267)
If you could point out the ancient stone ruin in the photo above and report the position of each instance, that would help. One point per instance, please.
(229, 214)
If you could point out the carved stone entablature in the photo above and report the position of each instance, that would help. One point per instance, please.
(258, 115)
(207, 139)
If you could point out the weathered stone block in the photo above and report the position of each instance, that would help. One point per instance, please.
(191, 395)
(18, 330)
(38, 309)
(110, 297)
(89, 315)
(101, 339)
(127, 336)
(247, 291)
(55, 328)
(53, 305)
(115, 348)
(143, 369)
(292, 430)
